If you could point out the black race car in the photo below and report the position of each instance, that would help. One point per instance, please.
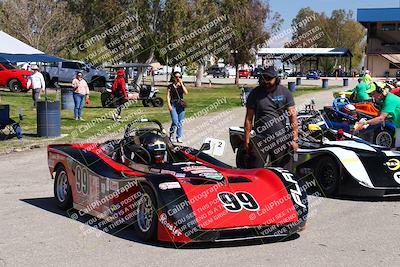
(339, 162)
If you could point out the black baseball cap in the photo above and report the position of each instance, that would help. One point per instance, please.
(269, 72)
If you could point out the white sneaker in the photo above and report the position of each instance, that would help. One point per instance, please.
(179, 140)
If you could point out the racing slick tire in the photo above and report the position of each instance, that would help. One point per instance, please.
(384, 138)
(146, 219)
(15, 86)
(328, 175)
(62, 189)
(157, 102)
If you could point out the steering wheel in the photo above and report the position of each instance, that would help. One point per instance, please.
(142, 153)
(139, 152)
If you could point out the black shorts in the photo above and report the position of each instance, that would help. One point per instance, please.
(270, 150)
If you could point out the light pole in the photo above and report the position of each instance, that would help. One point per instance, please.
(234, 54)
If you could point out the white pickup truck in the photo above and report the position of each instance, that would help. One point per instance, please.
(65, 72)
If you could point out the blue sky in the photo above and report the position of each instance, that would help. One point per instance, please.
(289, 8)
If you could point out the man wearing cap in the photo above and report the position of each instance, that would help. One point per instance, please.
(270, 105)
(360, 91)
(119, 92)
(36, 80)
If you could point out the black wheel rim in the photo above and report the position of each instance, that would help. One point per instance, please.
(384, 139)
(16, 87)
(327, 177)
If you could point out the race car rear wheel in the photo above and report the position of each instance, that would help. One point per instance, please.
(384, 138)
(62, 189)
(328, 175)
(146, 215)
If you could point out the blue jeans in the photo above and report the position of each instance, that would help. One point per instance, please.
(177, 116)
(79, 100)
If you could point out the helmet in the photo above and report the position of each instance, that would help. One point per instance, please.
(155, 145)
(350, 110)
(120, 72)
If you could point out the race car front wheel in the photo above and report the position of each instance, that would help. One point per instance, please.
(146, 215)
(62, 189)
(327, 174)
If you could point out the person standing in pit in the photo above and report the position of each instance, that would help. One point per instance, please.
(270, 106)
(119, 93)
(36, 80)
(176, 106)
(81, 95)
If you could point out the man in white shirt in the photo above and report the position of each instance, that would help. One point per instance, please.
(36, 80)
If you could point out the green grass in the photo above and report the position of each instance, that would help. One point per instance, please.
(199, 100)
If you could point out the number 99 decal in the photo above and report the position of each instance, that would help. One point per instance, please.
(82, 183)
(238, 201)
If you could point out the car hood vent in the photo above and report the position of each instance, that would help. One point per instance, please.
(238, 179)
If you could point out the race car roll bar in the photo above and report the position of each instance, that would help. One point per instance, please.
(129, 126)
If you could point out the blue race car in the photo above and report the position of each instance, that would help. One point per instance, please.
(343, 115)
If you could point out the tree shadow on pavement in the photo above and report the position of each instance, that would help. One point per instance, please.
(127, 232)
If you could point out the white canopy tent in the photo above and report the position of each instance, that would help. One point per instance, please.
(14, 50)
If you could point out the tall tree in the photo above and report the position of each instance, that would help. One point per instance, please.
(104, 15)
(252, 22)
(339, 30)
(203, 12)
(44, 24)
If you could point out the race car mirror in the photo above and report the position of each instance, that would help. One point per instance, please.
(205, 146)
(314, 127)
(216, 147)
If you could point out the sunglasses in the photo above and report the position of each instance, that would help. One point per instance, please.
(266, 78)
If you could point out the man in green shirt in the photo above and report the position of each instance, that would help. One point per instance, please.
(390, 107)
(367, 79)
(361, 91)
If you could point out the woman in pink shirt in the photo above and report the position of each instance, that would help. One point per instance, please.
(81, 91)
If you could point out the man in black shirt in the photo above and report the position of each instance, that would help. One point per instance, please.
(270, 105)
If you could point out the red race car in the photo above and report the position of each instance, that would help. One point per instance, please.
(172, 193)
(244, 74)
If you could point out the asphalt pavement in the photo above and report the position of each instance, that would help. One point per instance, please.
(33, 232)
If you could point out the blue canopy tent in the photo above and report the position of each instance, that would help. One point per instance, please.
(13, 50)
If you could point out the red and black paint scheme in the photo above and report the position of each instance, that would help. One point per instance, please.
(190, 197)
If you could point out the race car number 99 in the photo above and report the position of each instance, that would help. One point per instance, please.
(238, 201)
(81, 175)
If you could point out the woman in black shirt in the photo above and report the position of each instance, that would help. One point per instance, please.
(176, 105)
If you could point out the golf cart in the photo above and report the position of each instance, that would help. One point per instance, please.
(138, 89)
